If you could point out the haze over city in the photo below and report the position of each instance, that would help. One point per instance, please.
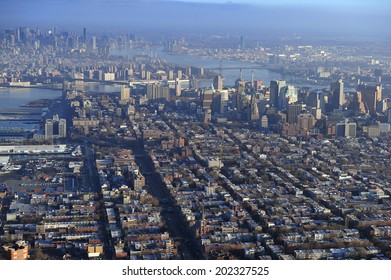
(195, 130)
(355, 19)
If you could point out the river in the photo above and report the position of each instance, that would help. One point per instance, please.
(230, 75)
(16, 98)
(13, 99)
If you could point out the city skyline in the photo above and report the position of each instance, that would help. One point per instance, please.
(195, 130)
(338, 18)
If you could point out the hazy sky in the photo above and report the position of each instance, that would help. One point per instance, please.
(369, 18)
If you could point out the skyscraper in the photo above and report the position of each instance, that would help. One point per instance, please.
(93, 43)
(242, 43)
(293, 112)
(125, 93)
(370, 96)
(218, 83)
(254, 111)
(338, 95)
(207, 98)
(85, 34)
(62, 128)
(275, 91)
(240, 83)
(306, 122)
(287, 95)
(55, 128)
(178, 89)
(49, 129)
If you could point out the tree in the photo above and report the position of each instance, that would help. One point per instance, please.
(38, 254)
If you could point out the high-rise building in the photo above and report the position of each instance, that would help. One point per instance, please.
(223, 100)
(157, 91)
(218, 83)
(254, 111)
(373, 130)
(55, 128)
(178, 89)
(338, 95)
(94, 47)
(49, 129)
(288, 95)
(85, 34)
(370, 96)
(171, 75)
(293, 112)
(240, 84)
(306, 121)
(350, 129)
(62, 128)
(125, 93)
(207, 98)
(179, 74)
(275, 91)
(242, 43)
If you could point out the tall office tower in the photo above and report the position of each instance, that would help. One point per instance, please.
(370, 96)
(207, 98)
(216, 102)
(357, 105)
(218, 83)
(338, 95)
(252, 88)
(254, 111)
(242, 43)
(275, 91)
(125, 93)
(288, 95)
(94, 43)
(85, 34)
(223, 100)
(293, 112)
(178, 88)
(17, 35)
(240, 84)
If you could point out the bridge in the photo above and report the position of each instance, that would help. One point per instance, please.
(235, 67)
(221, 67)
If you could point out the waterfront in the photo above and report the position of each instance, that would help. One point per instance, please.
(13, 99)
(230, 75)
